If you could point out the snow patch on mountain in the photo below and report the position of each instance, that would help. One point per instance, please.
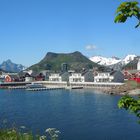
(128, 59)
(108, 61)
(104, 60)
(11, 67)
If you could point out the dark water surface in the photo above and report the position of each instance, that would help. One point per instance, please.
(78, 114)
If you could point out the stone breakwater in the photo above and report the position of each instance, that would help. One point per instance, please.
(122, 90)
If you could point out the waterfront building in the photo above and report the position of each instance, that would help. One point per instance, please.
(132, 75)
(24, 76)
(2, 79)
(46, 74)
(59, 77)
(55, 77)
(1, 72)
(138, 65)
(88, 76)
(65, 76)
(132, 72)
(103, 77)
(38, 76)
(64, 67)
(29, 78)
(85, 76)
(11, 78)
(113, 76)
(118, 76)
(76, 77)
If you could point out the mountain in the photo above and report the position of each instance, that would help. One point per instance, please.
(113, 62)
(128, 59)
(11, 67)
(53, 61)
(132, 64)
(104, 60)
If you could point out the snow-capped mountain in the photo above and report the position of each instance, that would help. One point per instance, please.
(11, 67)
(104, 60)
(128, 59)
(112, 60)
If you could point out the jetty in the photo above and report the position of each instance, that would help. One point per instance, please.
(80, 84)
(109, 87)
(16, 87)
(13, 84)
(42, 89)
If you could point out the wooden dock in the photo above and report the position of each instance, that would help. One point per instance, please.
(17, 87)
(42, 89)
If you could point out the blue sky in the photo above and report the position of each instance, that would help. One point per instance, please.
(31, 28)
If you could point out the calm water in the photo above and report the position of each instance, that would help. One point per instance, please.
(78, 114)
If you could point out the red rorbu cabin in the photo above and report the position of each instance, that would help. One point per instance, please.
(11, 78)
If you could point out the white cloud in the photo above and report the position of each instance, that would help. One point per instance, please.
(91, 47)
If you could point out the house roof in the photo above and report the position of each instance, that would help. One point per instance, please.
(13, 76)
(132, 71)
(87, 71)
(64, 73)
(35, 74)
(114, 72)
(23, 74)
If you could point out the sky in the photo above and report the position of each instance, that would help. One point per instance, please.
(31, 28)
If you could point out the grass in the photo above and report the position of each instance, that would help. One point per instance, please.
(132, 84)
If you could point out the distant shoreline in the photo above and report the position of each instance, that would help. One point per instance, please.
(108, 88)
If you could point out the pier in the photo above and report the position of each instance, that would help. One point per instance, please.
(17, 87)
(12, 84)
(93, 85)
(49, 85)
(42, 89)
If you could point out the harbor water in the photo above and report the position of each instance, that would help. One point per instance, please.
(79, 114)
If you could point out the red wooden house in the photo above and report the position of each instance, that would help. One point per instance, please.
(38, 76)
(132, 75)
(11, 78)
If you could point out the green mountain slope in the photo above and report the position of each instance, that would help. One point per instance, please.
(52, 61)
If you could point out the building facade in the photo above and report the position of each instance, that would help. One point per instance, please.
(103, 77)
(55, 77)
(76, 77)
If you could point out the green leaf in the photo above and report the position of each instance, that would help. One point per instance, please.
(127, 9)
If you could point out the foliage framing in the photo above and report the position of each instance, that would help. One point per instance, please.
(124, 11)
(14, 134)
(127, 10)
(131, 104)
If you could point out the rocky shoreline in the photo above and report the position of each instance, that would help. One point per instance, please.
(122, 90)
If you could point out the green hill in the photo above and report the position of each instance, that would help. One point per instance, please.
(52, 61)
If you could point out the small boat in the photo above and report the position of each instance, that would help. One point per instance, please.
(77, 87)
(74, 87)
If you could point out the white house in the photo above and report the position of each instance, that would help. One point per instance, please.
(138, 65)
(76, 77)
(55, 77)
(29, 79)
(2, 78)
(103, 77)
